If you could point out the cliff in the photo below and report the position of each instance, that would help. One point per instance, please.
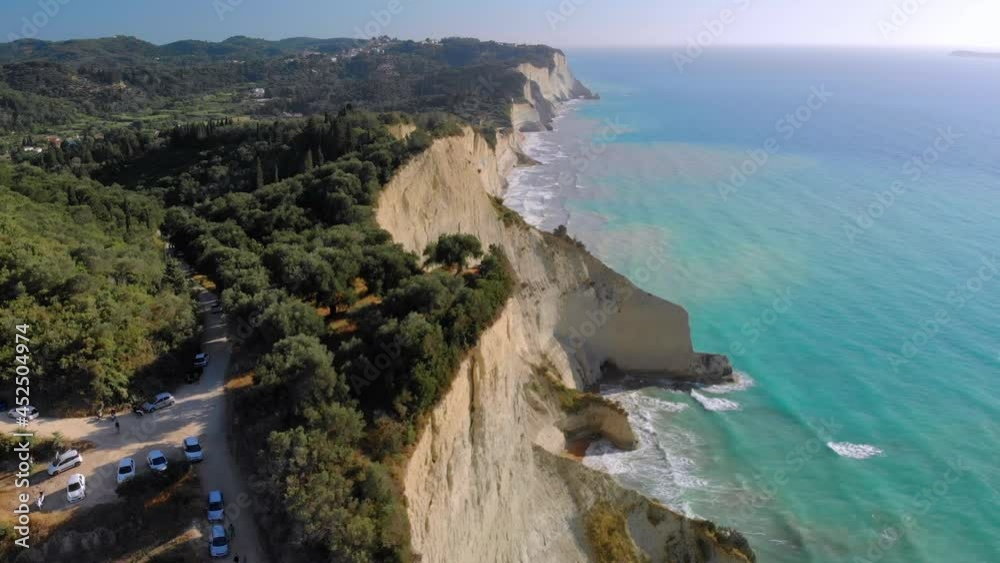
(545, 87)
(489, 479)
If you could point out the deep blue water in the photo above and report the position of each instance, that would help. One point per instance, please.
(852, 276)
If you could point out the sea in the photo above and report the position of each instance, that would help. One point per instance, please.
(831, 221)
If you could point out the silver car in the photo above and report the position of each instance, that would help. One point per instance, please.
(192, 450)
(126, 470)
(76, 489)
(157, 461)
(65, 461)
(160, 401)
(218, 544)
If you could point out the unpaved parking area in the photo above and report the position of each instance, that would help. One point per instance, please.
(200, 411)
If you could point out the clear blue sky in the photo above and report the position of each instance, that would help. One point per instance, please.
(953, 23)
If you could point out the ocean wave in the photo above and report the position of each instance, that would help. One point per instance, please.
(660, 462)
(854, 451)
(634, 401)
(742, 383)
(714, 403)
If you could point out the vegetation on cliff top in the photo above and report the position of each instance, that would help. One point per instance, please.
(607, 533)
(354, 340)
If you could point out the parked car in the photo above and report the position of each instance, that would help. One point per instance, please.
(29, 412)
(218, 545)
(76, 489)
(194, 376)
(192, 450)
(217, 307)
(201, 360)
(216, 508)
(126, 470)
(160, 401)
(65, 461)
(157, 461)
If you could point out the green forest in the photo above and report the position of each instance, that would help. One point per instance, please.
(81, 264)
(83, 87)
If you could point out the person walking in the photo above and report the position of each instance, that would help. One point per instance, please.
(118, 427)
(236, 559)
(232, 531)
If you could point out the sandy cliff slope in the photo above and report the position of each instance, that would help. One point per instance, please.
(489, 479)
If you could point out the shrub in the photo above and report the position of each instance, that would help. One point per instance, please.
(607, 533)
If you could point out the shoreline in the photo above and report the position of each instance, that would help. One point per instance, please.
(541, 203)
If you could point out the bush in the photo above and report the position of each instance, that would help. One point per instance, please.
(607, 533)
(148, 484)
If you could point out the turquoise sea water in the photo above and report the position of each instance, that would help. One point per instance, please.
(857, 289)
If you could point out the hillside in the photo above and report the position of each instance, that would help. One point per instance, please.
(70, 86)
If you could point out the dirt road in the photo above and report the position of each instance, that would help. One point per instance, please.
(200, 411)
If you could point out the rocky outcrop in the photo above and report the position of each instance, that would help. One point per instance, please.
(488, 479)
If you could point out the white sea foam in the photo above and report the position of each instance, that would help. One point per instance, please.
(661, 461)
(742, 383)
(715, 403)
(854, 451)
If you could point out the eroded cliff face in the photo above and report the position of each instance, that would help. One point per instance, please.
(544, 88)
(489, 479)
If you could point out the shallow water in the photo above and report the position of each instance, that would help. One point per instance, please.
(857, 288)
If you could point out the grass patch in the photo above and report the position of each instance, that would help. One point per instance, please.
(572, 401)
(509, 217)
(607, 533)
(729, 540)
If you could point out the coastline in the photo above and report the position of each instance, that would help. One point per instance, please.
(494, 449)
(543, 206)
(537, 191)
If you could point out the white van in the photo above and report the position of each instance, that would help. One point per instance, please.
(64, 461)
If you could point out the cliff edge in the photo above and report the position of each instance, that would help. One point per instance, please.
(489, 478)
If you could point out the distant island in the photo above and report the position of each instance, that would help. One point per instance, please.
(976, 54)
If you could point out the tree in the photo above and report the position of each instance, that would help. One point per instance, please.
(303, 367)
(288, 318)
(453, 251)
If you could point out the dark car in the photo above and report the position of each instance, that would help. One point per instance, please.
(194, 376)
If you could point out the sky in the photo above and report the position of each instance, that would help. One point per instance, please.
(561, 23)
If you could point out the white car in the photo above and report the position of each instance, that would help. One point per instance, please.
(126, 470)
(76, 489)
(218, 545)
(28, 412)
(192, 450)
(216, 508)
(201, 360)
(160, 401)
(157, 461)
(65, 461)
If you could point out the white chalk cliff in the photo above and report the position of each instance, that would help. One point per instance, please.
(489, 479)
